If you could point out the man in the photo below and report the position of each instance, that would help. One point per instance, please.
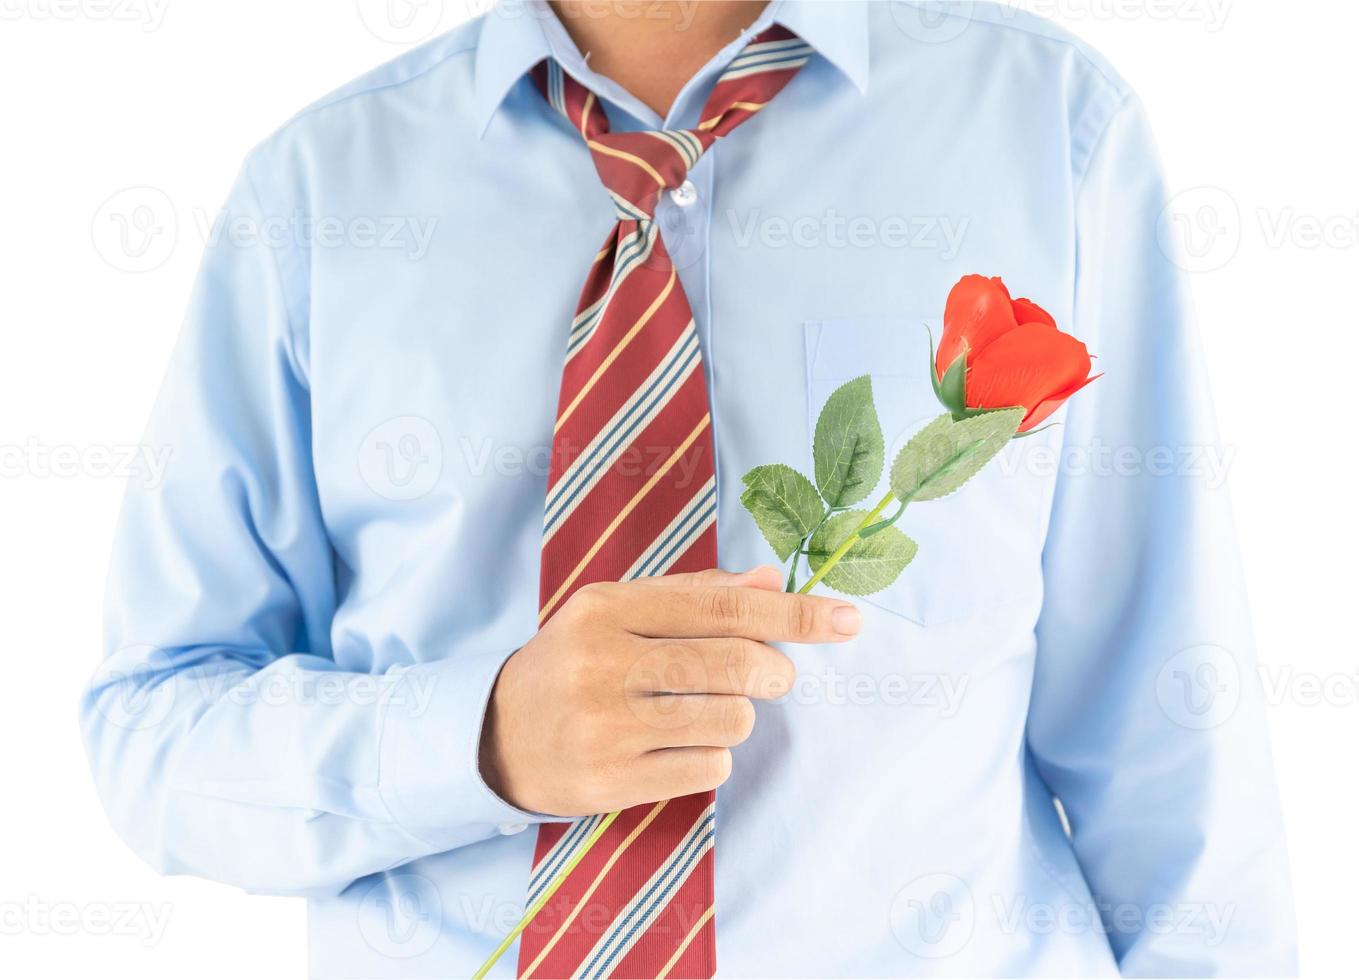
(435, 568)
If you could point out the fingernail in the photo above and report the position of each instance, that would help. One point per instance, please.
(846, 620)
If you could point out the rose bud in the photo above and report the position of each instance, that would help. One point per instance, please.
(997, 352)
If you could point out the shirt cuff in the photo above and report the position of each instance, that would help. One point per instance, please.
(429, 747)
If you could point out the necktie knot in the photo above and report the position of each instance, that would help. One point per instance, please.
(636, 167)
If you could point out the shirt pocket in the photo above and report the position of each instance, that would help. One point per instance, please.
(980, 548)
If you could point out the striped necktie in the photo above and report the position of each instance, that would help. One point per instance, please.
(632, 493)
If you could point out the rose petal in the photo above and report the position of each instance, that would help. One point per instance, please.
(1040, 414)
(1027, 311)
(1027, 366)
(978, 311)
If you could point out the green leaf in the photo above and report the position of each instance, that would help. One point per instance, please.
(945, 454)
(784, 504)
(848, 447)
(870, 565)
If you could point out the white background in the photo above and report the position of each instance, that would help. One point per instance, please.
(1254, 102)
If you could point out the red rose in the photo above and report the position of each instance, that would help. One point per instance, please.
(998, 352)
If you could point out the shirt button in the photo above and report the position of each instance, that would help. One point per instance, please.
(685, 195)
(510, 829)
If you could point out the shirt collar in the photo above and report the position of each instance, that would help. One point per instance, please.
(838, 29)
(512, 41)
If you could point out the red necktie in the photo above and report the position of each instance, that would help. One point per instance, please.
(631, 493)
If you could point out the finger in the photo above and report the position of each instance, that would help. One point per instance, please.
(684, 720)
(722, 610)
(727, 665)
(763, 577)
(668, 774)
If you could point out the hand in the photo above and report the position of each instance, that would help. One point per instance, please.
(635, 692)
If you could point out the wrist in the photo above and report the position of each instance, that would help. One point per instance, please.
(491, 757)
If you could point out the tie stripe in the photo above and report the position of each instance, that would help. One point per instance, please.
(781, 55)
(611, 353)
(633, 251)
(618, 852)
(564, 930)
(632, 493)
(621, 432)
(684, 945)
(678, 536)
(647, 903)
(573, 579)
(561, 852)
(688, 146)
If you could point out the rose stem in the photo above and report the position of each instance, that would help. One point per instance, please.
(848, 543)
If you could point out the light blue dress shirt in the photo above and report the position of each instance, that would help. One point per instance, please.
(308, 612)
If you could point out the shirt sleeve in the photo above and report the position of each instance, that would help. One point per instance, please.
(1147, 719)
(224, 738)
